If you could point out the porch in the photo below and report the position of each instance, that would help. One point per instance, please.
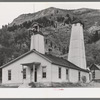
(30, 72)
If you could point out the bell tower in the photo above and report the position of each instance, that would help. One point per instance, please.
(37, 38)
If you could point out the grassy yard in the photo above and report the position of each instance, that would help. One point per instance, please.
(2, 86)
(92, 84)
(62, 85)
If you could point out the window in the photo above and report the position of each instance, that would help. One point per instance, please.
(24, 73)
(59, 73)
(67, 73)
(44, 72)
(93, 74)
(9, 74)
(79, 76)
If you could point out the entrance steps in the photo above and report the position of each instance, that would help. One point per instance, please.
(24, 85)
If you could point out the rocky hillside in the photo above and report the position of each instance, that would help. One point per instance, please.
(49, 12)
(56, 28)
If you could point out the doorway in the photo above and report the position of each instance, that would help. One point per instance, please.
(79, 74)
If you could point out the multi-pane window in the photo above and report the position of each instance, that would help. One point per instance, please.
(24, 73)
(59, 71)
(79, 76)
(67, 74)
(44, 72)
(9, 74)
(93, 74)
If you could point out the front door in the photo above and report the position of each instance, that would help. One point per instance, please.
(79, 76)
(35, 75)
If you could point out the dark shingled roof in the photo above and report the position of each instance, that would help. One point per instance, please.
(62, 62)
(95, 67)
(52, 59)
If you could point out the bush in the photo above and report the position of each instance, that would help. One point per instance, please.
(66, 84)
(32, 84)
(84, 79)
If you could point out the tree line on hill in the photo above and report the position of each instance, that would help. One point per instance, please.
(15, 40)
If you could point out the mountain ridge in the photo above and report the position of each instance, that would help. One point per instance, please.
(56, 29)
(47, 12)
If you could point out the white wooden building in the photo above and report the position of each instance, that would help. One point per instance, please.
(36, 66)
(95, 71)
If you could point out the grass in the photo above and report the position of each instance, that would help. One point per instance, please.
(57, 85)
(2, 86)
(65, 84)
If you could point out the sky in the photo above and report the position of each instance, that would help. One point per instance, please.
(11, 10)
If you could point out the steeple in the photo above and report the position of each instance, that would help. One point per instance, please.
(76, 48)
(37, 38)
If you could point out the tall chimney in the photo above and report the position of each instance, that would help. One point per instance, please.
(76, 48)
(32, 42)
(37, 39)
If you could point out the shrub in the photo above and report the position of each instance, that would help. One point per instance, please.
(84, 79)
(32, 84)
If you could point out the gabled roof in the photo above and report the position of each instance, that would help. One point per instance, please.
(95, 67)
(51, 59)
(63, 62)
(23, 55)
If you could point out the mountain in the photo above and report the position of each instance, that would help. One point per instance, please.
(56, 28)
(33, 16)
(84, 13)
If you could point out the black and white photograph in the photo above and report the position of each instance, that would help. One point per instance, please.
(49, 45)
